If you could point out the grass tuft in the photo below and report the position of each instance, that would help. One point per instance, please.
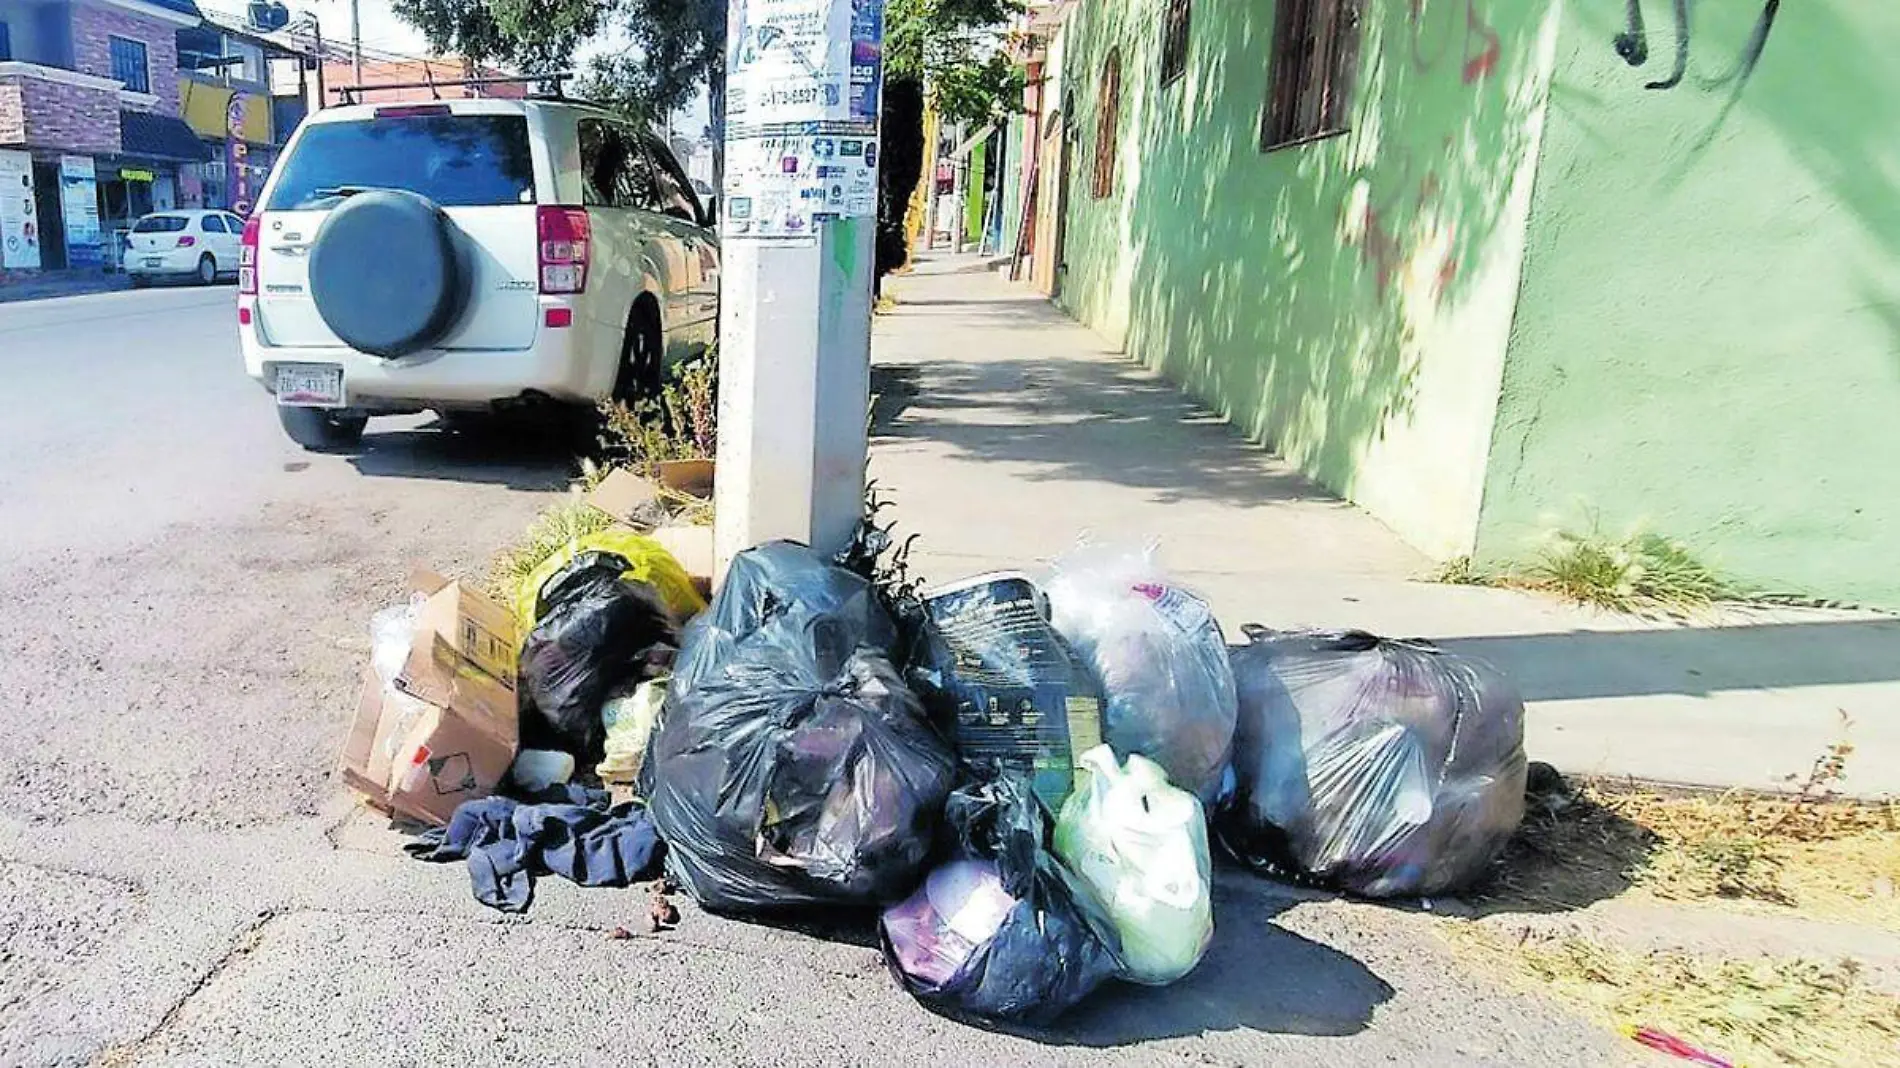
(1640, 574)
(1460, 571)
(1637, 574)
(558, 524)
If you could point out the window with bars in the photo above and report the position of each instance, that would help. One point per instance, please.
(1174, 41)
(1108, 109)
(128, 64)
(1310, 76)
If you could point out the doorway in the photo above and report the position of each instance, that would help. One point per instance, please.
(51, 219)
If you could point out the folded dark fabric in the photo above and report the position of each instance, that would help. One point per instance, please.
(507, 844)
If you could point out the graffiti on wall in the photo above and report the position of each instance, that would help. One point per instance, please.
(1397, 215)
(1431, 39)
(1633, 45)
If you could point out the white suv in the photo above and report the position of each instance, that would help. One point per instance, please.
(470, 255)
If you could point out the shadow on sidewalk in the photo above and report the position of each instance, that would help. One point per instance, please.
(1257, 976)
(1694, 661)
(1084, 420)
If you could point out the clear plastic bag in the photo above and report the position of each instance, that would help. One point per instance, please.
(1382, 767)
(628, 716)
(1160, 657)
(391, 633)
(1142, 845)
(1004, 931)
(791, 765)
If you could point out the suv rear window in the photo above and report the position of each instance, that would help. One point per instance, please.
(458, 161)
(160, 224)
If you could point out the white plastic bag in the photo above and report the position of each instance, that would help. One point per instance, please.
(1159, 656)
(1141, 844)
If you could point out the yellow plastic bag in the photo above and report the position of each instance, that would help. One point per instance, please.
(650, 563)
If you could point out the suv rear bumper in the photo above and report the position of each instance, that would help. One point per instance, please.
(561, 364)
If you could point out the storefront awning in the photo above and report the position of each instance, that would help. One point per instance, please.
(149, 136)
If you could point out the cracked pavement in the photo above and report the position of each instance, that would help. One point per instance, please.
(182, 882)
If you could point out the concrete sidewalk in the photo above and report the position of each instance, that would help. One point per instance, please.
(50, 284)
(1003, 430)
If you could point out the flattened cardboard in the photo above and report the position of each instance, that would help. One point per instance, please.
(693, 548)
(624, 497)
(691, 477)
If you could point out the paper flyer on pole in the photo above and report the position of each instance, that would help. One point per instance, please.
(802, 105)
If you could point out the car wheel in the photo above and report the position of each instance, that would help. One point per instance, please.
(207, 270)
(639, 377)
(140, 281)
(322, 430)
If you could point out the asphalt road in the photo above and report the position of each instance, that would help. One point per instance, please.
(182, 881)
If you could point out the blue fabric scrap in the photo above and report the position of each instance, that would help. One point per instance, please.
(508, 843)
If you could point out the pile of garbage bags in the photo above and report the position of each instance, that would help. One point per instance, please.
(1022, 787)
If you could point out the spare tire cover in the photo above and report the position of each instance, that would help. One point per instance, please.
(384, 272)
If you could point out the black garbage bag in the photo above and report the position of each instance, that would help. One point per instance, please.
(771, 582)
(1377, 766)
(1004, 685)
(1004, 931)
(791, 765)
(594, 630)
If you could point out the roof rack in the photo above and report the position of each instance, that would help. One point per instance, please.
(352, 94)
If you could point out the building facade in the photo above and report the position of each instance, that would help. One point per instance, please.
(111, 109)
(241, 94)
(89, 128)
(1490, 269)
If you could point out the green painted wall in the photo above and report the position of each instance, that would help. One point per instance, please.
(973, 200)
(1708, 342)
(1012, 189)
(1347, 302)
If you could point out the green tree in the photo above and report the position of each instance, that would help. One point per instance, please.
(677, 47)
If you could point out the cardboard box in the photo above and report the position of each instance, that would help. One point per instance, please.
(626, 498)
(445, 732)
(693, 548)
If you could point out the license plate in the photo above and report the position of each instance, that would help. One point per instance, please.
(155, 261)
(309, 385)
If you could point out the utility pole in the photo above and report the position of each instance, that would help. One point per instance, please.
(316, 30)
(356, 37)
(799, 219)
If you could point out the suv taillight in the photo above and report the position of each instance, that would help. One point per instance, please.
(247, 258)
(564, 234)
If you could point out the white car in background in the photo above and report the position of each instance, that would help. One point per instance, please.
(466, 256)
(186, 244)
